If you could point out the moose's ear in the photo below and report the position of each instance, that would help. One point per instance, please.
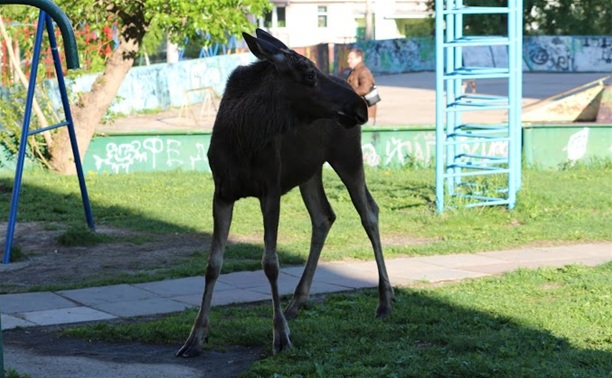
(264, 50)
(262, 34)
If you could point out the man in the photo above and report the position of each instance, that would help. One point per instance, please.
(361, 79)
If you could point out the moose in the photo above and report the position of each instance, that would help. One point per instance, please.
(279, 121)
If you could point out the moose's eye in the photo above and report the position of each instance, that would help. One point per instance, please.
(310, 78)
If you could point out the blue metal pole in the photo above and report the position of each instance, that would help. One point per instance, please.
(1, 352)
(519, 93)
(440, 113)
(70, 123)
(513, 123)
(10, 230)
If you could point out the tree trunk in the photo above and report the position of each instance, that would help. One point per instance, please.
(92, 106)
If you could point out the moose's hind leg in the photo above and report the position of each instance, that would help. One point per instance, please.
(322, 217)
(222, 214)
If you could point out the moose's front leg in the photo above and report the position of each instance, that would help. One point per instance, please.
(222, 214)
(270, 207)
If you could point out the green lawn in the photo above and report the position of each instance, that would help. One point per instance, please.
(550, 322)
(554, 207)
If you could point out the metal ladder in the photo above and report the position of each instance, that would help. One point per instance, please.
(470, 171)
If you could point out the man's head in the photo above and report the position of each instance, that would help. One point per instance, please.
(355, 57)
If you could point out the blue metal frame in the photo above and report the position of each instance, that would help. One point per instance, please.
(456, 165)
(44, 21)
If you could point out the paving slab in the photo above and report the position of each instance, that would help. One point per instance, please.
(141, 307)
(537, 255)
(177, 287)
(238, 296)
(460, 260)
(491, 269)
(192, 300)
(66, 316)
(583, 250)
(10, 322)
(95, 296)
(244, 280)
(109, 302)
(413, 268)
(594, 261)
(344, 277)
(17, 303)
(289, 284)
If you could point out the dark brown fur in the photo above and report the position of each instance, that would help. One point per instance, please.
(279, 121)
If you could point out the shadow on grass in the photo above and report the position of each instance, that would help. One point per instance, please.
(154, 249)
(424, 337)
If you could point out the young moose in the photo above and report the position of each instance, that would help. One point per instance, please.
(279, 121)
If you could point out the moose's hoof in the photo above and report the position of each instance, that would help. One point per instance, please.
(383, 311)
(281, 343)
(281, 340)
(192, 348)
(292, 311)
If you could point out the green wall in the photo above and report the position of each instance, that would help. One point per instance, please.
(546, 146)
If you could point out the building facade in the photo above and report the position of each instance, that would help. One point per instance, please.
(311, 22)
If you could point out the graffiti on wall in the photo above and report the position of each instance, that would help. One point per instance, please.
(149, 154)
(568, 54)
(382, 149)
(391, 55)
(577, 145)
(417, 149)
(540, 54)
(161, 86)
(593, 53)
(548, 54)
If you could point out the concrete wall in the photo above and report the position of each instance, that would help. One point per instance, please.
(545, 146)
(161, 86)
(540, 54)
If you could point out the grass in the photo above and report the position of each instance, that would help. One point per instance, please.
(11, 373)
(568, 206)
(549, 322)
(81, 236)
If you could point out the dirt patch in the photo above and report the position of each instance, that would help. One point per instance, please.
(46, 352)
(49, 263)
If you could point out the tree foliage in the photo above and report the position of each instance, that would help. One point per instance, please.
(133, 20)
(571, 17)
(559, 17)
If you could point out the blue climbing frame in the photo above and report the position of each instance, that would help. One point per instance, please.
(45, 21)
(464, 176)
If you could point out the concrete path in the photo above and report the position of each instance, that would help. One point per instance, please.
(122, 301)
(407, 99)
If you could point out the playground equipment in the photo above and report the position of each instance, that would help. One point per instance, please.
(476, 164)
(49, 12)
(584, 103)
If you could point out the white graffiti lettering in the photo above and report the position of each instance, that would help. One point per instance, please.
(121, 157)
(200, 156)
(370, 156)
(577, 145)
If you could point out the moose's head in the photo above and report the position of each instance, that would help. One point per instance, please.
(311, 93)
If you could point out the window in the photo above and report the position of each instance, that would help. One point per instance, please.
(322, 16)
(280, 13)
(280, 18)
